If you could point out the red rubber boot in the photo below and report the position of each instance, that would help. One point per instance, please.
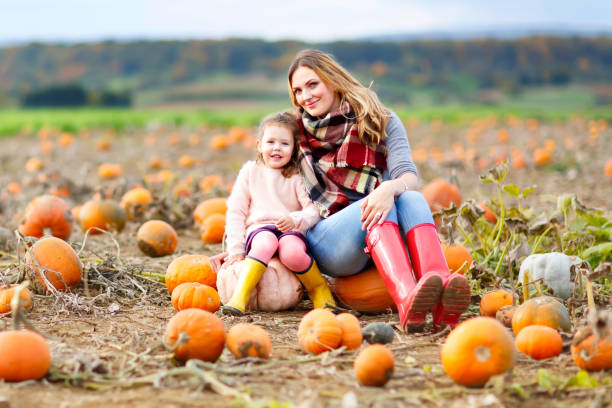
(413, 300)
(427, 257)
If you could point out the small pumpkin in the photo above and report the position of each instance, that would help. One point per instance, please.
(591, 352)
(278, 289)
(457, 257)
(543, 310)
(319, 331)
(488, 214)
(103, 214)
(608, 168)
(207, 207)
(505, 314)
(157, 238)
(440, 194)
(493, 301)
(554, 269)
(34, 164)
(248, 340)
(209, 182)
(476, 350)
(195, 295)
(539, 342)
(25, 355)
(190, 268)
(110, 170)
(186, 161)
(135, 202)
(62, 266)
(199, 334)
(374, 365)
(542, 156)
(351, 331)
(47, 213)
(213, 229)
(365, 292)
(6, 295)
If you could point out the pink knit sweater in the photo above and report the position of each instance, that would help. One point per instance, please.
(261, 196)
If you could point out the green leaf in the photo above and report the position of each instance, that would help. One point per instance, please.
(547, 381)
(527, 191)
(598, 253)
(583, 380)
(512, 190)
(564, 202)
(519, 391)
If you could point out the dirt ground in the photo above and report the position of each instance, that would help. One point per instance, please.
(106, 338)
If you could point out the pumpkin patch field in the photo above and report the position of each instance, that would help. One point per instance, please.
(108, 297)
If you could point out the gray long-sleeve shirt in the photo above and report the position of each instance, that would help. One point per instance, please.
(399, 157)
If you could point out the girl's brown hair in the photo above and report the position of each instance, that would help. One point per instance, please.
(370, 113)
(288, 121)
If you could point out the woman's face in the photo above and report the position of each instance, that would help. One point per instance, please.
(312, 94)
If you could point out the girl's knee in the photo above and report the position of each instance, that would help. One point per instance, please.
(263, 246)
(292, 253)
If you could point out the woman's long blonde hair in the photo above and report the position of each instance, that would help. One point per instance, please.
(370, 114)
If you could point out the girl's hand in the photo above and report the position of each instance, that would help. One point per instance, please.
(285, 224)
(216, 261)
(377, 205)
(233, 259)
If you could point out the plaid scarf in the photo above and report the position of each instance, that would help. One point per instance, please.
(332, 157)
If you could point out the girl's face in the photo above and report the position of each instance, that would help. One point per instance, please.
(276, 146)
(312, 94)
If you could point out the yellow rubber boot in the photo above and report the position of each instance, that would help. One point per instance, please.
(316, 286)
(250, 274)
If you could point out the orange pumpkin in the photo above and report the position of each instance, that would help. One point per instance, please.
(493, 301)
(208, 207)
(543, 310)
(440, 194)
(476, 350)
(47, 213)
(365, 292)
(457, 257)
(539, 342)
(189, 295)
(209, 182)
(248, 340)
(195, 333)
(135, 201)
(190, 268)
(6, 295)
(608, 168)
(505, 314)
(186, 161)
(213, 229)
(110, 170)
(219, 142)
(374, 365)
(542, 156)
(24, 355)
(62, 266)
(104, 214)
(351, 331)
(319, 331)
(34, 164)
(590, 352)
(488, 214)
(157, 238)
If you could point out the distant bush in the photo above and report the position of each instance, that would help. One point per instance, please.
(74, 95)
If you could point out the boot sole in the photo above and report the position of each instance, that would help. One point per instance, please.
(429, 290)
(231, 311)
(455, 299)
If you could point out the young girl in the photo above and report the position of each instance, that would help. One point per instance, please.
(269, 211)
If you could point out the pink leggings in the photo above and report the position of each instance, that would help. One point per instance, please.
(291, 250)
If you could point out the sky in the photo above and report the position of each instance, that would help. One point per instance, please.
(311, 21)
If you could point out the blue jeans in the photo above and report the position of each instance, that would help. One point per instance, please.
(337, 242)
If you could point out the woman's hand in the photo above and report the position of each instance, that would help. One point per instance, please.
(377, 205)
(285, 224)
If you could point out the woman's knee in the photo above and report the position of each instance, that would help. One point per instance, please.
(263, 246)
(412, 209)
(292, 253)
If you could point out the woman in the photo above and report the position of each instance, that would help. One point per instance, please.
(356, 165)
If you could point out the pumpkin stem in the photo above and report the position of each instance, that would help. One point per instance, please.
(482, 353)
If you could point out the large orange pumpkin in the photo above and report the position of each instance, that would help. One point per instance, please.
(543, 310)
(24, 355)
(539, 342)
(195, 295)
(195, 333)
(440, 194)
(62, 266)
(590, 352)
(104, 214)
(374, 365)
(319, 331)
(365, 292)
(476, 350)
(190, 268)
(6, 295)
(157, 238)
(208, 207)
(213, 229)
(47, 213)
(248, 340)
